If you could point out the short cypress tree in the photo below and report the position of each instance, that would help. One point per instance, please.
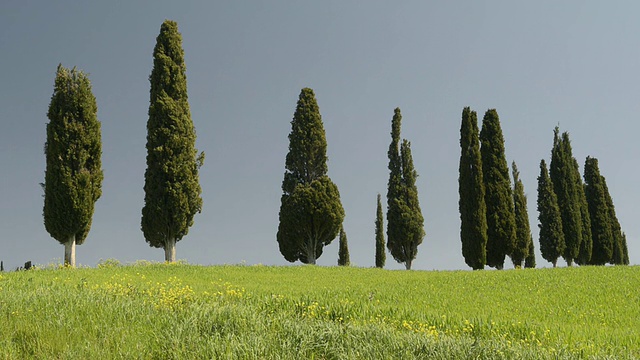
(381, 255)
(618, 256)
(311, 213)
(550, 222)
(73, 178)
(473, 210)
(601, 229)
(405, 224)
(625, 250)
(563, 175)
(530, 260)
(501, 225)
(172, 186)
(343, 251)
(523, 230)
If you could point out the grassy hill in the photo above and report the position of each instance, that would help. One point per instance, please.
(158, 311)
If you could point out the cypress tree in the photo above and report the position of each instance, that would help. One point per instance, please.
(618, 257)
(343, 251)
(625, 250)
(563, 175)
(586, 243)
(311, 213)
(550, 221)
(405, 229)
(473, 210)
(172, 187)
(601, 229)
(530, 260)
(501, 227)
(523, 230)
(394, 231)
(73, 177)
(381, 256)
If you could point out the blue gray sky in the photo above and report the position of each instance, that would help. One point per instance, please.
(540, 64)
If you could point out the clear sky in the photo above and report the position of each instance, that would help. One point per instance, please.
(539, 63)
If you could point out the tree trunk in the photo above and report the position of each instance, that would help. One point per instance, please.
(554, 263)
(311, 255)
(170, 250)
(70, 251)
(570, 262)
(407, 264)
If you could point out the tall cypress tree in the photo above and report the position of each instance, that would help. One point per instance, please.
(563, 175)
(586, 243)
(172, 185)
(530, 260)
(343, 251)
(501, 227)
(381, 255)
(311, 213)
(523, 230)
(618, 256)
(601, 229)
(473, 210)
(394, 186)
(550, 221)
(405, 224)
(73, 177)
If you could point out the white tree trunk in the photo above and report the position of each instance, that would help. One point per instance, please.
(170, 250)
(70, 251)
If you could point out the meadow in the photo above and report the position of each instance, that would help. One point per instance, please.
(180, 311)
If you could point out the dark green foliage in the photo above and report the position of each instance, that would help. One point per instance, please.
(73, 177)
(586, 243)
(625, 250)
(550, 221)
(394, 231)
(564, 175)
(343, 251)
(405, 229)
(530, 260)
(601, 229)
(473, 211)
(618, 256)
(172, 188)
(381, 255)
(523, 231)
(311, 213)
(501, 226)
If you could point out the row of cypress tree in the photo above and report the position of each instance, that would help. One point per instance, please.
(577, 220)
(494, 218)
(311, 212)
(73, 176)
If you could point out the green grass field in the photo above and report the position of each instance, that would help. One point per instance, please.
(159, 311)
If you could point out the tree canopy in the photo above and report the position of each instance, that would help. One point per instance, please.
(550, 221)
(172, 186)
(73, 176)
(501, 227)
(523, 231)
(471, 203)
(311, 213)
(381, 255)
(405, 224)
